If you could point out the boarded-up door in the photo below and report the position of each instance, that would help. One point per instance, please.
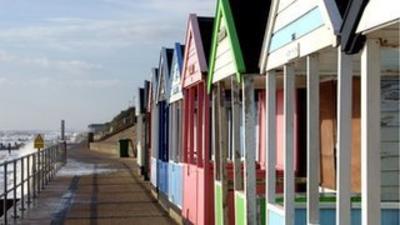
(328, 122)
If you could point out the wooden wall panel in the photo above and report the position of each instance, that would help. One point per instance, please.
(328, 118)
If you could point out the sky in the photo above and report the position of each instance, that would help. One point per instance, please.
(82, 60)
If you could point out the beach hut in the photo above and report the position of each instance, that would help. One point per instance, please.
(371, 31)
(140, 130)
(197, 164)
(175, 170)
(238, 93)
(302, 49)
(154, 110)
(162, 105)
(147, 130)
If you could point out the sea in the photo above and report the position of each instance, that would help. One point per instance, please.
(25, 139)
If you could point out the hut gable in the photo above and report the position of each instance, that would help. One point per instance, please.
(164, 69)
(147, 95)
(140, 101)
(176, 71)
(154, 84)
(198, 39)
(379, 13)
(297, 28)
(237, 38)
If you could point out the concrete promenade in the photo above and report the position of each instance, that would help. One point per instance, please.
(95, 189)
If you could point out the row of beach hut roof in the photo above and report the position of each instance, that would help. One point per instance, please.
(277, 112)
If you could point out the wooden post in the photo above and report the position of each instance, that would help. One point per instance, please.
(370, 133)
(344, 147)
(313, 150)
(200, 133)
(171, 129)
(238, 179)
(186, 127)
(250, 147)
(191, 125)
(270, 179)
(215, 140)
(223, 147)
(289, 103)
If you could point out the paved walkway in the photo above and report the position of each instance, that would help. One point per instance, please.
(95, 189)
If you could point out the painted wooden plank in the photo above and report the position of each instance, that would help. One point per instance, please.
(390, 119)
(289, 102)
(249, 120)
(313, 140)
(235, 101)
(224, 62)
(370, 133)
(292, 12)
(223, 146)
(344, 121)
(305, 45)
(194, 57)
(391, 164)
(378, 13)
(268, 36)
(270, 138)
(390, 178)
(302, 26)
(283, 4)
(389, 149)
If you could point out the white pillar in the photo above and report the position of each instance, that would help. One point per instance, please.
(289, 103)
(139, 140)
(370, 133)
(249, 149)
(270, 138)
(235, 102)
(313, 140)
(344, 147)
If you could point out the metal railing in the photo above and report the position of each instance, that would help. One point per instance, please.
(29, 175)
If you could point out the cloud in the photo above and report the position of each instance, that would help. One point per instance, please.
(3, 81)
(138, 21)
(172, 6)
(98, 84)
(73, 67)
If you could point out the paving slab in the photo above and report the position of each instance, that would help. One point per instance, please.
(95, 189)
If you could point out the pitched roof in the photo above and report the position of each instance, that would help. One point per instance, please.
(298, 29)
(175, 81)
(351, 42)
(178, 56)
(250, 21)
(246, 23)
(164, 70)
(198, 39)
(206, 29)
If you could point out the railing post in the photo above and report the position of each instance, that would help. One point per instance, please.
(15, 189)
(43, 169)
(29, 178)
(48, 165)
(22, 185)
(5, 194)
(51, 165)
(34, 173)
(38, 172)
